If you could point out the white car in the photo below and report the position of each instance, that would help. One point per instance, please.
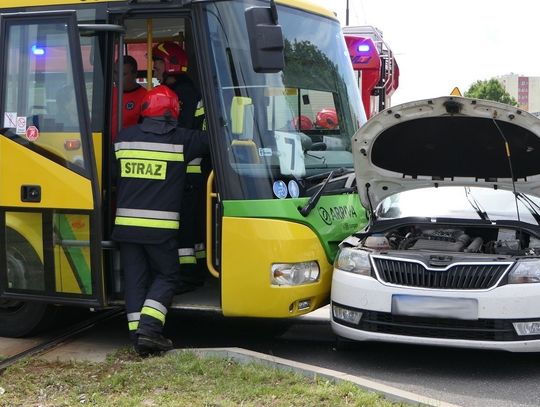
(451, 253)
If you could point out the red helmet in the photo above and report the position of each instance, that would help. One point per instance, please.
(160, 101)
(302, 122)
(172, 55)
(327, 119)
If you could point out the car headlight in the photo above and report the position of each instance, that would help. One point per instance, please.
(353, 260)
(527, 271)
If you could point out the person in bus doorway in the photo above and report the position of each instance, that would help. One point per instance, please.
(192, 249)
(151, 162)
(170, 64)
(171, 68)
(133, 93)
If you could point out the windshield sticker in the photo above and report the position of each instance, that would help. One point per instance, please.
(21, 125)
(280, 189)
(265, 152)
(10, 119)
(294, 190)
(291, 155)
(32, 133)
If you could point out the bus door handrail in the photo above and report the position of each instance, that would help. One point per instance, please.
(120, 83)
(210, 195)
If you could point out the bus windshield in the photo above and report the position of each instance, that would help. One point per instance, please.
(288, 125)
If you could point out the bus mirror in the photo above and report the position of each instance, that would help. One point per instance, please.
(265, 39)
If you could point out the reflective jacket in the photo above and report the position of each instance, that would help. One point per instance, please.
(151, 162)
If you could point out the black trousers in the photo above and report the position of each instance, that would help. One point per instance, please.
(193, 227)
(150, 277)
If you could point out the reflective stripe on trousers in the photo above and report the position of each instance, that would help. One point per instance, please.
(155, 310)
(133, 320)
(200, 251)
(187, 256)
(147, 218)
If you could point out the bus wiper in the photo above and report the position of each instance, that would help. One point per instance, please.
(306, 209)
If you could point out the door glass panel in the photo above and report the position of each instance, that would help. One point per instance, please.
(72, 253)
(70, 247)
(24, 254)
(40, 103)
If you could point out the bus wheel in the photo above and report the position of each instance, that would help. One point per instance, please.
(24, 270)
(21, 318)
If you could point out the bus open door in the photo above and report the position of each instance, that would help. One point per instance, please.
(50, 211)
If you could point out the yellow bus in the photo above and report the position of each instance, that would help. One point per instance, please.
(281, 195)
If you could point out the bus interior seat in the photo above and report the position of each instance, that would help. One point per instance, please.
(243, 148)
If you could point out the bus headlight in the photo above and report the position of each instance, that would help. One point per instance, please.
(295, 273)
(527, 271)
(353, 260)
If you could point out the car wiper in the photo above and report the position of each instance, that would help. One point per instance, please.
(306, 209)
(474, 203)
(530, 205)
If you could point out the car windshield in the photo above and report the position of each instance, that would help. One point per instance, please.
(460, 203)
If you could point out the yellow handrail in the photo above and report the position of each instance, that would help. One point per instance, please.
(209, 244)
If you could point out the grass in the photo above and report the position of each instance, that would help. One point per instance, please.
(176, 379)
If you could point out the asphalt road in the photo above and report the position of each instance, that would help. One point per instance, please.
(463, 377)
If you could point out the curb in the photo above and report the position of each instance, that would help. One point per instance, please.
(391, 393)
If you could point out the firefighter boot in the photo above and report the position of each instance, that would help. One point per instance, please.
(153, 344)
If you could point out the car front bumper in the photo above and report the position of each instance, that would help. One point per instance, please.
(491, 327)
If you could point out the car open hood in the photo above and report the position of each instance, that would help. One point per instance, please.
(446, 141)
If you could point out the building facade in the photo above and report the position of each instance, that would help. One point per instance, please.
(525, 89)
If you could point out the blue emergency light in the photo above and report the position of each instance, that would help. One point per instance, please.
(38, 50)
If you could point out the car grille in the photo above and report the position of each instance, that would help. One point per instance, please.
(472, 276)
(480, 330)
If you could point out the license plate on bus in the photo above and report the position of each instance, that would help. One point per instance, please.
(435, 307)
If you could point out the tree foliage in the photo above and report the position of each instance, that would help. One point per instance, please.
(491, 90)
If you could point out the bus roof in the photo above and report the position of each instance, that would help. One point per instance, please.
(300, 4)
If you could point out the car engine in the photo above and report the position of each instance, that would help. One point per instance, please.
(502, 241)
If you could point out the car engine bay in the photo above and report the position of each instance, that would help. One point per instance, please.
(484, 240)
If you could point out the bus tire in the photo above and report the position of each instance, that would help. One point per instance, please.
(24, 270)
(23, 318)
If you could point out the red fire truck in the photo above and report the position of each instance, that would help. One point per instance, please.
(376, 68)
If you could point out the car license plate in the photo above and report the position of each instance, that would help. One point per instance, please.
(438, 307)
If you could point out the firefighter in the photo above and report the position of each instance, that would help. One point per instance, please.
(192, 249)
(170, 68)
(151, 159)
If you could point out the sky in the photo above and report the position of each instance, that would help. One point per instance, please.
(439, 45)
